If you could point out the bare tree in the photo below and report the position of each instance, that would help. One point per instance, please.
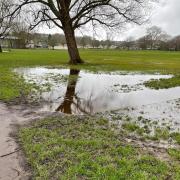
(21, 30)
(6, 19)
(70, 15)
(154, 35)
(143, 42)
(85, 40)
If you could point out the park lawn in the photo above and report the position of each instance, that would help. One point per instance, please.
(72, 147)
(13, 86)
(162, 61)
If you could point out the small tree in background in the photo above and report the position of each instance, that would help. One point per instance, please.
(154, 35)
(52, 41)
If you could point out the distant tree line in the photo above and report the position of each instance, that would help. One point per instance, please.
(154, 39)
(25, 37)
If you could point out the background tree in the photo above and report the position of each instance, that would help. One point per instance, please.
(154, 35)
(62, 39)
(6, 19)
(174, 44)
(164, 41)
(85, 40)
(70, 15)
(21, 30)
(129, 42)
(96, 43)
(143, 42)
(56, 39)
(52, 41)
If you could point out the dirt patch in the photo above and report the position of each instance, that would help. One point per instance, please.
(11, 158)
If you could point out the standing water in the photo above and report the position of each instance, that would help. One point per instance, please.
(84, 92)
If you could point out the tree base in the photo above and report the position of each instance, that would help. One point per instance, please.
(0, 49)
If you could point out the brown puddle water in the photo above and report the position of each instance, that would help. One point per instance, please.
(84, 92)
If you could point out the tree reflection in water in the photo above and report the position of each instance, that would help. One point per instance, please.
(72, 103)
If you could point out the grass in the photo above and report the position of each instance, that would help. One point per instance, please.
(96, 60)
(176, 137)
(72, 147)
(12, 86)
(164, 83)
(175, 153)
(159, 133)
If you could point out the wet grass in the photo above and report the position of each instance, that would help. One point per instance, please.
(12, 86)
(72, 147)
(96, 60)
(164, 83)
(175, 153)
(146, 129)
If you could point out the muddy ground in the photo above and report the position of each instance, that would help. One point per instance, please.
(12, 164)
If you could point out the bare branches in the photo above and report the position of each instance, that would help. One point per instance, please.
(110, 13)
(6, 19)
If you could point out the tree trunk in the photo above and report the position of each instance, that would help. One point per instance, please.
(0, 49)
(71, 44)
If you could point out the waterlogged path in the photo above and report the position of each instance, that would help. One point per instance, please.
(11, 161)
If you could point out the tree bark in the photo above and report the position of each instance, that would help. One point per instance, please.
(71, 44)
(0, 49)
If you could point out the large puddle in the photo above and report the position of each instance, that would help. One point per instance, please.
(84, 92)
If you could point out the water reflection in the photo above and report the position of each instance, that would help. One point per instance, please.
(70, 97)
(72, 103)
(88, 93)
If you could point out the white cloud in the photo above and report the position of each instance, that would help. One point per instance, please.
(165, 14)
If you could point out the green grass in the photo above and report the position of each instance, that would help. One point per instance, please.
(72, 147)
(96, 60)
(87, 148)
(175, 153)
(159, 133)
(176, 137)
(12, 86)
(164, 83)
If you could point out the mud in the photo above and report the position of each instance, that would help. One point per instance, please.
(12, 165)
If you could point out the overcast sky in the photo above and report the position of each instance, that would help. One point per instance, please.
(165, 14)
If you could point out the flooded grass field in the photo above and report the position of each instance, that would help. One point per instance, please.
(84, 92)
(118, 115)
